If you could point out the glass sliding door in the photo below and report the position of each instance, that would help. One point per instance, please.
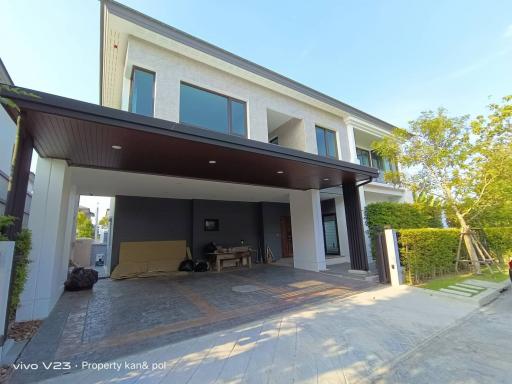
(331, 242)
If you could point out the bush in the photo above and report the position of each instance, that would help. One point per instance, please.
(399, 216)
(427, 253)
(22, 247)
(21, 263)
(499, 240)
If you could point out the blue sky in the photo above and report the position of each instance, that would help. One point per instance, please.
(390, 58)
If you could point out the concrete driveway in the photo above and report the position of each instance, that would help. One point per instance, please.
(121, 318)
(342, 340)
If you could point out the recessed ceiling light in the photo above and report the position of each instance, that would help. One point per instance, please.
(116, 147)
(326, 179)
(280, 172)
(212, 162)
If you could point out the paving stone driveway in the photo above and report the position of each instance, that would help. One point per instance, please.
(120, 318)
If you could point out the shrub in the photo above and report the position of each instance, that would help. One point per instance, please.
(499, 240)
(22, 247)
(21, 263)
(400, 216)
(427, 253)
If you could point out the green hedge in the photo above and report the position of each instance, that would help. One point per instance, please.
(427, 253)
(399, 216)
(499, 240)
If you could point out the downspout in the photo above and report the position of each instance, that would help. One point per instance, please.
(365, 182)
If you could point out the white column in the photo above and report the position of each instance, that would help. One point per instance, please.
(51, 225)
(310, 137)
(307, 231)
(351, 144)
(341, 221)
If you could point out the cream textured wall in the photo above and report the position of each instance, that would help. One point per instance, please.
(171, 68)
(291, 134)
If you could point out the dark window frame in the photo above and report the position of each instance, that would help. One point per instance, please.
(229, 113)
(368, 152)
(274, 140)
(325, 142)
(137, 68)
(337, 234)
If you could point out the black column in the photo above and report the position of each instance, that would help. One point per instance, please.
(355, 229)
(17, 192)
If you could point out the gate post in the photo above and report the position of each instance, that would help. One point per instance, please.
(393, 256)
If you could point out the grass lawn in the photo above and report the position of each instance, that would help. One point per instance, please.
(446, 281)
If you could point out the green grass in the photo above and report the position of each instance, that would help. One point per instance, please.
(446, 281)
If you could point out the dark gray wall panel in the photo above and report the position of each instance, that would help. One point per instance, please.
(237, 221)
(271, 217)
(150, 219)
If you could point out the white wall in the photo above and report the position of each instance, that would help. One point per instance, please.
(51, 222)
(290, 134)
(7, 136)
(171, 68)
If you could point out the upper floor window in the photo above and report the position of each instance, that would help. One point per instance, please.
(326, 142)
(142, 92)
(373, 159)
(213, 111)
(363, 156)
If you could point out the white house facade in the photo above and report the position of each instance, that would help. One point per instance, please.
(187, 133)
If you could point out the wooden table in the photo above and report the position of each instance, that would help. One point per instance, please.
(239, 255)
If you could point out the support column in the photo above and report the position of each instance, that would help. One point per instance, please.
(307, 230)
(355, 229)
(18, 182)
(16, 196)
(51, 224)
(351, 144)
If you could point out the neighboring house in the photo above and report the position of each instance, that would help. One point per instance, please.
(7, 137)
(87, 212)
(197, 144)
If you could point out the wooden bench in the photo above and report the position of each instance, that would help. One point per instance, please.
(237, 254)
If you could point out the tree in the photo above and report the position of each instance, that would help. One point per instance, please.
(104, 221)
(460, 163)
(84, 227)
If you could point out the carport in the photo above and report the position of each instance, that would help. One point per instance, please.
(73, 135)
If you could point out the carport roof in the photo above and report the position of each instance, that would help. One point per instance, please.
(84, 134)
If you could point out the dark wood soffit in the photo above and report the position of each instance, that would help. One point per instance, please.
(83, 134)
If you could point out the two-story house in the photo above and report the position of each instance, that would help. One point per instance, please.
(188, 134)
(150, 68)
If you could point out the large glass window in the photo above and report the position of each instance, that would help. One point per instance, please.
(331, 235)
(142, 92)
(212, 111)
(326, 142)
(364, 157)
(382, 164)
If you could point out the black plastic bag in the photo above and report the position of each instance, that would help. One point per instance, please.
(81, 279)
(187, 266)
(202, 266)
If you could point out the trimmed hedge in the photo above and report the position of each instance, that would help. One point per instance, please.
(427, 253)
(499, 240)
(399, 216)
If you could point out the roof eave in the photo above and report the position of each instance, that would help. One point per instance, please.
(170, 32)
